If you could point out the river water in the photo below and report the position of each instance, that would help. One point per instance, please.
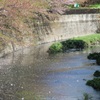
(33, 74)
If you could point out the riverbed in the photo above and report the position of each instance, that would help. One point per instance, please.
(33, 74)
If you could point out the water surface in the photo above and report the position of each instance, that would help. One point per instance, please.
(33, 74)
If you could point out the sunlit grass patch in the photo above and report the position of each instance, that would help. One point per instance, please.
(94, 6)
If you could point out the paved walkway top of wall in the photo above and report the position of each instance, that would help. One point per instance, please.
(82, 11)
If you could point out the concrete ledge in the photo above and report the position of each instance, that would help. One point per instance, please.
(82, 11)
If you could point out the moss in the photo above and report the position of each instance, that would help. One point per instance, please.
(95, 83)
(97, 73)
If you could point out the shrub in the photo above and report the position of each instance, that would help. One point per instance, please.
(95, 83)
(97, 73)
(74, 44)
(56, 47)
(93, 56)
(98, 60)
(68, 44)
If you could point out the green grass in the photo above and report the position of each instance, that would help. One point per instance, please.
(90, 39)
(94, 6)
(56, 47)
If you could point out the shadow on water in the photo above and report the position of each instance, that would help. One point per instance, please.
(32, 74)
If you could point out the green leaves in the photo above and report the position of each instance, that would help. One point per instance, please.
(56, 47)
(95, 83)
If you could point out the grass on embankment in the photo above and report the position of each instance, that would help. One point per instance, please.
(94, 6)
(90, 39)
(75, 43)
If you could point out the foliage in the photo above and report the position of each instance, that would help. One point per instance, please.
(95, 83)
(56, 47)
(93, 56)
(97, 73)
(79, 42)
(98, 61)
(74, 44)
(65, 45)
(84, 41)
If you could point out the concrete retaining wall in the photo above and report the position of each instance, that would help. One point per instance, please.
(69, 26)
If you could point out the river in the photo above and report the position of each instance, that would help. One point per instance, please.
(33, 74)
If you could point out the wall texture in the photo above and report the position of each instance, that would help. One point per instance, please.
(69, 26)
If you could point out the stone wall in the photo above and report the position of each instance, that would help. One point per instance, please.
(69, 26)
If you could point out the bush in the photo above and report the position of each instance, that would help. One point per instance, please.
(97, 73)
(93, 56)
(74, 44)
(95, 83)
(56, 47)
(98, 60)
(87, 96)
(68, 44)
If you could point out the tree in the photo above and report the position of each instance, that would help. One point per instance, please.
(15, 15)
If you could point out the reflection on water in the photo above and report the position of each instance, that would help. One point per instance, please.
(32, 74)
